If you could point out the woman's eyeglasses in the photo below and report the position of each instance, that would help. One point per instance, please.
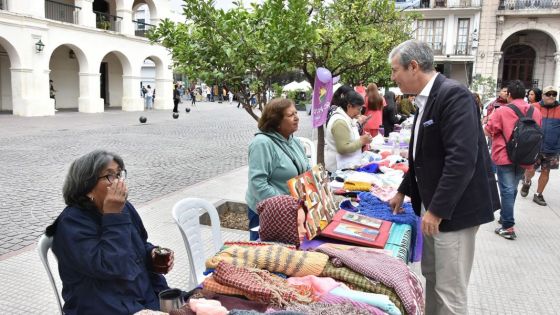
(111, 177)
(549, 94)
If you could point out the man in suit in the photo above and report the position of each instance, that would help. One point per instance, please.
(449, 180)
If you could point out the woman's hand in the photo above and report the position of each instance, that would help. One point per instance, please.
(365, 138)
(362, 119)
(170, 262)
(116, 197)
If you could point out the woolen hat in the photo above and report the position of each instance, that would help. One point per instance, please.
(550, 89)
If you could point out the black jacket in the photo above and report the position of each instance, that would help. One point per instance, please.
(451, 175)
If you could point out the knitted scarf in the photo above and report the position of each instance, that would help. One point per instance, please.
(372, 206)
(274, 258)
(260, 285)
(278, 219)
(388, 270)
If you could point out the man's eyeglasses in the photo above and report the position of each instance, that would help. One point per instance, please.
(111, 177)
(549, 94)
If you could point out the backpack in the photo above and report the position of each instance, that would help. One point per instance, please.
(526, 138)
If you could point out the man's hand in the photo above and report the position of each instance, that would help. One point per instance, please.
(430, 224)
(396, 203)
(170, 262)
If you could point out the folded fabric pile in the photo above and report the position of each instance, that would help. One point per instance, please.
(383, 268)
(356, 186)
(274, 258)
(260, 285)
(360, 282)
(372, 206)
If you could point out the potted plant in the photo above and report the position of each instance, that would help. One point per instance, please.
(103, 23)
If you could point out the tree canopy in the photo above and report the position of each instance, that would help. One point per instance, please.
(245, 47)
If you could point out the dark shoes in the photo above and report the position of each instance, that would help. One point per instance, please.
(539, 199)
(525, 188)
(506, 233)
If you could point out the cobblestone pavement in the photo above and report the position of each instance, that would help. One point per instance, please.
(161, 156)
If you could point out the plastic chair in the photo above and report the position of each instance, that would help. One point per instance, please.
(43, 246)
(310, 150)
(187, 215)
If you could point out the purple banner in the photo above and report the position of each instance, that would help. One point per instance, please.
(322, 96)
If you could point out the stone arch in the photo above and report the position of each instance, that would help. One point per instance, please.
(66, 61)
(151, 7)
(527, 55)
(519, 27)
(113, 67)
(15, 60)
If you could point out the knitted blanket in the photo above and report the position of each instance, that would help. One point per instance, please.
(274, 258)
(372, 206)
(260, 285)
(388, 270)
(360, 282)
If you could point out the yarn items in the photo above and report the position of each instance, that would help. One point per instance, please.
(347, 308)
(278, 219)
(274, 258)
(212, 285)
(389, 270)
(333, 300)
(356, 186)
(261, 285)
(372, 206)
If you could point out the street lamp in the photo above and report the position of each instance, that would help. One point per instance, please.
(39, 46)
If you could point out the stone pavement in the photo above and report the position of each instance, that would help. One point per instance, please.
(162, 156)
(509, 277)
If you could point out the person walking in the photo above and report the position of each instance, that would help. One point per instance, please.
(500, 127)
(149, 98)
(176, 98)
(193, 98)
(449, 180)
(548, 157)
(52, 93)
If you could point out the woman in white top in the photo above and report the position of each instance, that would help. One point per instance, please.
(344, 143)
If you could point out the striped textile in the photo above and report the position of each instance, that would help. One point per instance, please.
(212, 285)
(360, 282)
(261, 285)
(274, 258)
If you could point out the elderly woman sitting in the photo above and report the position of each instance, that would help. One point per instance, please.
(104, 259)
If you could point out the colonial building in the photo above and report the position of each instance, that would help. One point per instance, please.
(520, 39)
(451, 28)
(92, 50)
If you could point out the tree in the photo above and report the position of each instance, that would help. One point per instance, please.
(247, 47)
(241, 47)
(355, 38)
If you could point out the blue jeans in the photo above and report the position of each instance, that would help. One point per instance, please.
(508, 179)
(253, 222)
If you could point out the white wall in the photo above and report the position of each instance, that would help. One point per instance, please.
(64, 73)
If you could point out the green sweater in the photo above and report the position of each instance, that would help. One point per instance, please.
(270, 167)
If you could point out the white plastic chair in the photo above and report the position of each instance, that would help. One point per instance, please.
(186, 214)
(310, 150)
(43, 247)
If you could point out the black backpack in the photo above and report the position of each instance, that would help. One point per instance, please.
(526, 139)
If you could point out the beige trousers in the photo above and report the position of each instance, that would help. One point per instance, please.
(447, 259)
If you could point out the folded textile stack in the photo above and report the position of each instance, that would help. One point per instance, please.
(274, 258)
(386, 269)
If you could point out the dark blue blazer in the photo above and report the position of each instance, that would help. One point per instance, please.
(451, 174)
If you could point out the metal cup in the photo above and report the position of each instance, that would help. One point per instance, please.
(170, 299)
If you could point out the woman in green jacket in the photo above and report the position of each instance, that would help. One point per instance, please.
(275, 156)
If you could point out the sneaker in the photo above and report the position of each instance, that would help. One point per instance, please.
(525, 189)
(506, 233)
(539, 199)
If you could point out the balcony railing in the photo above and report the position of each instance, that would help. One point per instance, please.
(141, 29)
(463, 3)
(62, 12)
(528, 4)
(462, 49)
(107, 21)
